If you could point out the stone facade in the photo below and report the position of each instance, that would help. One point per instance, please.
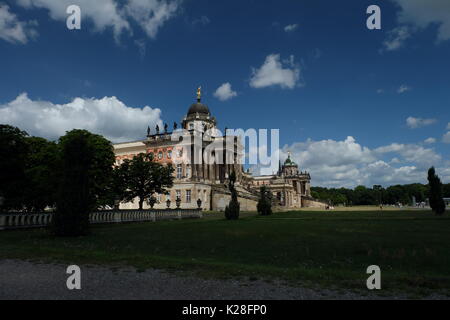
(289, 187)
(206, 181)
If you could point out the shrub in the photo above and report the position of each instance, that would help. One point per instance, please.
(265, 202)
(233, 208)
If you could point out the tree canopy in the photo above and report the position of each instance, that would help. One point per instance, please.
(13, 154)
(141, 177)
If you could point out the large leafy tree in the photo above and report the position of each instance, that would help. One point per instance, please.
(436, 201)
(74, 199)
(41, 173)
(85, 171)
(13, 153)
(100, 167)
(141, 177)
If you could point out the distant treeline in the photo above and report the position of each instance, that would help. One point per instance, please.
(362, 195)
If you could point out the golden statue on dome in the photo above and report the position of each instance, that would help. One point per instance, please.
(199, 93)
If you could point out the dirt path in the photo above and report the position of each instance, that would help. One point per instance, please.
(27, 280)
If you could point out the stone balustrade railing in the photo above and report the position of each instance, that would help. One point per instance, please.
(37, 220)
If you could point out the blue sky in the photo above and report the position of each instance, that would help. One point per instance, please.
(354, 106)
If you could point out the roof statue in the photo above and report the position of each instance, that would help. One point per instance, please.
(199, 94)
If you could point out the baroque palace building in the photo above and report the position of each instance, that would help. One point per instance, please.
(207, 180)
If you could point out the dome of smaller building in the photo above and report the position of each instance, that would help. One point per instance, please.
(289, 161)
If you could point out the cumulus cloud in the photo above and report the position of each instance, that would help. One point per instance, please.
(150, 15)
(347, 163)
(422, 14)
(396, 38)
(108, 116)
(446, 137)
(415, 15)
(224, 92)
(290, 27)
(275, 72)
(411, 153)
(448, 126)
(430, 141)
(414, 123)
(12, 29)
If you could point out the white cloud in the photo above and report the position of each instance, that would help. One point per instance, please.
(348, 164)
(448, 126)
(396, 38)
(411, 153)
(403, 88)
(446, 137)
(12, 29)
(224, 92)
(290, 27)
(430, 140)
(107, 116)
(414, 123)
(275, 72)
(421, 14)
(150, 15)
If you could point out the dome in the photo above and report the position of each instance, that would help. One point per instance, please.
(199, 108)
(289, 162)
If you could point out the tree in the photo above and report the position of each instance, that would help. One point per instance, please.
(233, 208)
(436, 201)
(446, 190)
(13, 153)
(41, 174)
(379, 193)
(85, 167)
(100, 166)
(142, 177)
(75, 199)
(265, 202)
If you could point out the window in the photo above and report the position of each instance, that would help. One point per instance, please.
(169, 154)
(191, 126)
(180, 153)
(179, 171)
(188, 196)
(178, 194)
(160, 155)
(188, 172)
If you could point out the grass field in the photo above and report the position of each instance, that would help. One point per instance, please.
(327, 249)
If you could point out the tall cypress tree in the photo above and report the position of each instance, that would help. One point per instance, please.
(436, 201)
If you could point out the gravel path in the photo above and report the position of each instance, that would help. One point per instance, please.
(30, 280)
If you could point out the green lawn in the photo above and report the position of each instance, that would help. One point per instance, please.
(412, 248)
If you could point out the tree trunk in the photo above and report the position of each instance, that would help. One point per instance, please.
(141, 203)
